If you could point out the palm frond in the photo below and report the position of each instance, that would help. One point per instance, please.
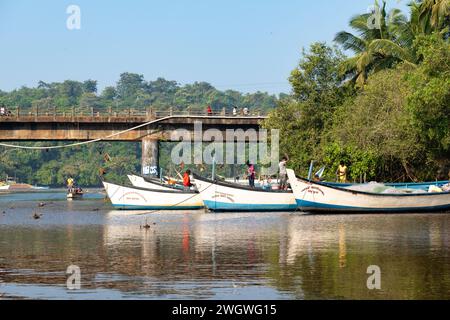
(350, 42)
(390, 48)
(349, 65)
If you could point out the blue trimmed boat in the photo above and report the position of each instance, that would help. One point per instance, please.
(224, 196)
(321, 197)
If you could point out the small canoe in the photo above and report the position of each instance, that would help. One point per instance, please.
(320, 197)
(74, 195)
(136, 198)
(225, 196)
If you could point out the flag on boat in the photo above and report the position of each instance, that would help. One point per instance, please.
(319, 173)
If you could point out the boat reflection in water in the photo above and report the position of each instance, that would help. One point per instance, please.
(306, 256)
(192, 255)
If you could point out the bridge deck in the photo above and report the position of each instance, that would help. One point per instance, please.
(80, 114)
(83, 127)
(125, 119)
(130, 116)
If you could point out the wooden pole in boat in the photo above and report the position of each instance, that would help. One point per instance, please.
(213, 175)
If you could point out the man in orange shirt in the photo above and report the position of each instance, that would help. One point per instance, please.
(187, 179)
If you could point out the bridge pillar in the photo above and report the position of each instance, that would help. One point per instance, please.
(150, 156)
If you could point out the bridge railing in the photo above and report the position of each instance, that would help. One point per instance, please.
(111, 112)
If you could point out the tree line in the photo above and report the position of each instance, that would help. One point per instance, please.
(133, 91)
(53, 167)
(385, 110)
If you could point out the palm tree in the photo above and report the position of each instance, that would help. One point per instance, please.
(376, 48)
(433, 15)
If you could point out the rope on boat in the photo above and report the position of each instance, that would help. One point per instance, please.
(84, 142)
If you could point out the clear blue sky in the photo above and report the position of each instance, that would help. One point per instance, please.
(247, 45)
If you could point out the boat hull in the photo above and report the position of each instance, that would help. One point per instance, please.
(227, 197)
(135, 198)
(74, 195)
(318, 197)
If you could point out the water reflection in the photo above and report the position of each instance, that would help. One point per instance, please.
(200, 255)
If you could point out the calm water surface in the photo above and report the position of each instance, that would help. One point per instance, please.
(197, 255)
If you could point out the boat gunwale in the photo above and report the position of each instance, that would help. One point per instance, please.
(389, 184)
(177, 191)
(373, 193)
(235, 186)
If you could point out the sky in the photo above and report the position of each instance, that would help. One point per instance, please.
(245, 45)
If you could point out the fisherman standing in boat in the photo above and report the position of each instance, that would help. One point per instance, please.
(341, 172)
(283, 173)
(251, 174)
(187, 180)
(70, 183)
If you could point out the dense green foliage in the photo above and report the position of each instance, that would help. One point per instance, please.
(132, 91)
(53, 167)
(384, 111)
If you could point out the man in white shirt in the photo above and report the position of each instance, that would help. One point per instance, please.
(283, 173)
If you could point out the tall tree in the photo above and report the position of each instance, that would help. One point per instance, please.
(434, 15)
(317, 91)
(379, 43)
(90, 86)
(129, 84)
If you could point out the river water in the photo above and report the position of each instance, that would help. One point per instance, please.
(198, 255)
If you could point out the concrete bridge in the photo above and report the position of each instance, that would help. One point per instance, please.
(79, 126)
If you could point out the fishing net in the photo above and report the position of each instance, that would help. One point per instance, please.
(375, 187)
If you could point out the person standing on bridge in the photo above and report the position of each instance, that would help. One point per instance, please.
(234, 111)
(209, 110)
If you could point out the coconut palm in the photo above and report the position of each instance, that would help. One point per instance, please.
(376, 48)
(433, 15)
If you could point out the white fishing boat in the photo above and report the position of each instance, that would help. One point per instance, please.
(225, 196)
(4, 187)
(136, 198)
(320, 197)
